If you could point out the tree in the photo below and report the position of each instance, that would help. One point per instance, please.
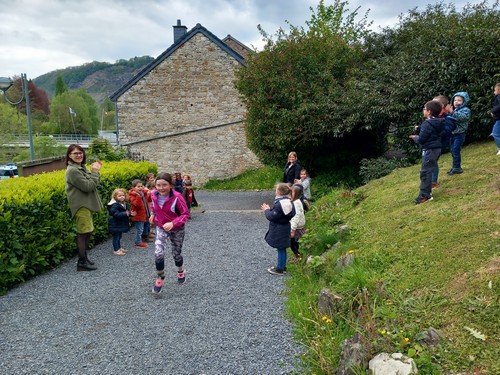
(300, 88)
(84, 120)
(107, 111)
(436, 51)
(101, 149)
(60, 86)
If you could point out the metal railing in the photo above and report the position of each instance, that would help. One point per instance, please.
(65, 139)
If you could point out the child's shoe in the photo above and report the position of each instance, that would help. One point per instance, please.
(181, 276)
(119, 252)
(142, 244)
(297, 258)
(276, 271)
(422, 200)
(158, 285)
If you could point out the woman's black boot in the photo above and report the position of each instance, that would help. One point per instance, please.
(83, 265)
(87, 259)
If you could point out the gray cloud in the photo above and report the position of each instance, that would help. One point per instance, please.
(41, 36)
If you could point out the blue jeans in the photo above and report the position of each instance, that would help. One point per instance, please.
(429, 161)
(456, 142)
(146, 230)
(281, 258)
(435, 172)
(139, 228)
(117, 237)
(495, 133)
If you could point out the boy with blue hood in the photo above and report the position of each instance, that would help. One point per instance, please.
(461, 113)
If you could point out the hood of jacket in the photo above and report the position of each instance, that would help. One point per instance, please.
(464, 95)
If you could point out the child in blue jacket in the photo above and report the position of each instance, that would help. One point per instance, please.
(462, 114)
(278, 235)
(118, 220)
(495, 113)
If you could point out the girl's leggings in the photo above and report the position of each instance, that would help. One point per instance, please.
(176, 240)
(294, 245)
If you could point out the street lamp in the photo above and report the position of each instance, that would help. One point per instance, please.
(5, 84)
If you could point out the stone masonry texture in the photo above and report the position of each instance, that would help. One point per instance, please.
(170, 116)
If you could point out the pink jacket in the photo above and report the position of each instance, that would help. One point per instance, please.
(174, 210)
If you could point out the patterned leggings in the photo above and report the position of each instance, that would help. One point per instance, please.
(176, 240)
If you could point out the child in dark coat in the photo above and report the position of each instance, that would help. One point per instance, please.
(429, 138)
(118, 219)
(278, 235)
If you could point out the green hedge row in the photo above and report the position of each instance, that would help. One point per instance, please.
(36, 230)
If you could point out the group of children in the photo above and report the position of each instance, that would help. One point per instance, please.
(157, 204)
(444, 126)
(287, 216)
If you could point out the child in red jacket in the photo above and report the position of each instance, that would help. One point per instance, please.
(139, 211)
(169, 212)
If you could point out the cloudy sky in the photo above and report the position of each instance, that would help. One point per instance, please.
(39, 36)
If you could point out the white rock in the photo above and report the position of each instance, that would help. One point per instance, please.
(392, 364)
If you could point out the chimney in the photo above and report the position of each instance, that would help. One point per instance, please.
(179, 31)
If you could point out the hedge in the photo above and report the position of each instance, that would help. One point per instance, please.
(36, 230)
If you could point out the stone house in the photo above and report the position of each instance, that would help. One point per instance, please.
(182, 110)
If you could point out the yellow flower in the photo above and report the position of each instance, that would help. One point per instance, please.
(326, 319)
(407, 339)
(401, 330)
(383, 331)
(350, 252)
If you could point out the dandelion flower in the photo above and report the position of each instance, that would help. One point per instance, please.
(407, 339)
(383, 332)
(350, 252)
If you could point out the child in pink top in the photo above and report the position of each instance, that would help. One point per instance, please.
(169, 212)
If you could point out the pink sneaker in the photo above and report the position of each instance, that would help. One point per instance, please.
(142, 244)
(181, 276)
(158, 285)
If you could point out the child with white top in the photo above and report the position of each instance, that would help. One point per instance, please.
(297, 223)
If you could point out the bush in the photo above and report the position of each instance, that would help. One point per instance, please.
(372, 169)
(36, 230)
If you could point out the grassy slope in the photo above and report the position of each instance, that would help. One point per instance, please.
(422, 266)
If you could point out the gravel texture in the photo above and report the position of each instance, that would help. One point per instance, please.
(228, 317)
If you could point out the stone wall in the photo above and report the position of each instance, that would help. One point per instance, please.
(171, 115)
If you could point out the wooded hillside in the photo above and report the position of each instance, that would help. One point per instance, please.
(99, 79)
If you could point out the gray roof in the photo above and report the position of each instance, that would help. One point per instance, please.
(197, 29)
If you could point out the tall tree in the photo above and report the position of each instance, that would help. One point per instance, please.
(74, 112)
(437, 50)
(299, 89)
(60, 86)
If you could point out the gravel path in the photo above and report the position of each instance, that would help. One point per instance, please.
(228, 318)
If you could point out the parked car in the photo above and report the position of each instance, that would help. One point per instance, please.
(8, 171)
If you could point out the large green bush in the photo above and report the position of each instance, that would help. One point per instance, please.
(300, 94)
(435, 51)
(36, 230)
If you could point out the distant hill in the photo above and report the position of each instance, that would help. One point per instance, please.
(100, 79)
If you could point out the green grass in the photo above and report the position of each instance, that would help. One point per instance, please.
(432, 265)
(415, 266)
(257, 179)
